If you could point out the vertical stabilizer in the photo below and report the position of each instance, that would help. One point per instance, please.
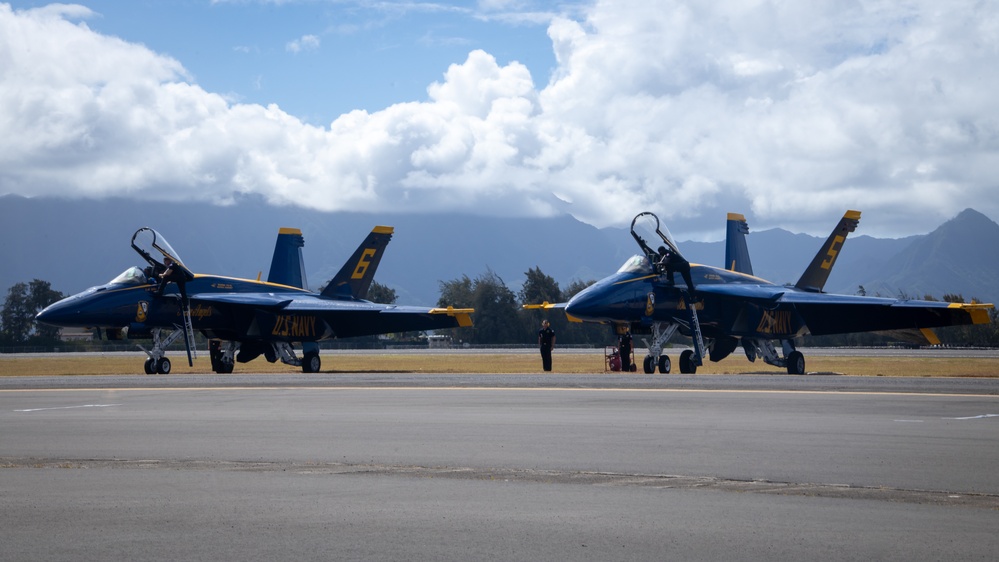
(814, 278)
(356, 275)
(287, 267)
(736, 249)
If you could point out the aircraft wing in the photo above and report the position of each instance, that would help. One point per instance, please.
(344, 318)
(553, 306)
(836, 314)
(763, 295)
(258, 300)
(545, 306)
(826, 313)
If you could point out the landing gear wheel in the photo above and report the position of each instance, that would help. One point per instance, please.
(311, 363)
(649, 365)
(796, 363)
(687, 366)
(664, 364)
(224, 368)
(163, 366)
(149, 367)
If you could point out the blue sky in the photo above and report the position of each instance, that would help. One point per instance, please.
(787, 112)
(317, 59)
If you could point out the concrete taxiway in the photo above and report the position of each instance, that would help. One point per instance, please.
(512, 467)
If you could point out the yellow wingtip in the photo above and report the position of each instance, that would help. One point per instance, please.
(463, 315)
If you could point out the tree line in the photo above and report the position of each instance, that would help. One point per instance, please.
(499, 318)
(17, 318)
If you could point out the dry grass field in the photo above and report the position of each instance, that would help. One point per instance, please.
(472, 363)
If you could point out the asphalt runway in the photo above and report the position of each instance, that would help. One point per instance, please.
(498, 467)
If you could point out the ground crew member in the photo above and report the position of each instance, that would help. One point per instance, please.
(624, 347)
(546, 342)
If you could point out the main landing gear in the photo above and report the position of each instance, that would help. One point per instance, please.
(224, 355)
(310, 363)
(793, 359)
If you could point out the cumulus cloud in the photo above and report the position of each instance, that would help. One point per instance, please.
(788, 112)
(303, 43)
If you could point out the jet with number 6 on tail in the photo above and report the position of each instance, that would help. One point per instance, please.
(244, 318)
(660, 292)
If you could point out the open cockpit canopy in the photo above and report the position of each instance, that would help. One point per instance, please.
(153, 247)
(646, 226)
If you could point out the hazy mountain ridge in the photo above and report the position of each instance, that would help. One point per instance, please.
(76, 244)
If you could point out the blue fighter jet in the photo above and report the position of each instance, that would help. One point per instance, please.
(659, 292)
(244, 318)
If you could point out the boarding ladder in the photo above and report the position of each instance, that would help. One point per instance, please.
(695, 331)
(192, 350)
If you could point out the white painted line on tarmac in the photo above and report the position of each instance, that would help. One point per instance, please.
(983, 416)
(69, 407)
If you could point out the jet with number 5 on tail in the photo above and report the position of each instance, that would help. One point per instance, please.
(243, 318)
(659, 292)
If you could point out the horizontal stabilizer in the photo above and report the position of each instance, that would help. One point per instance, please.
(817, 273)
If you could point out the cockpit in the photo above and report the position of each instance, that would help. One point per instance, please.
(131, 276)
(636, 264)
(154, 248)
(647, 225)
(156, 251)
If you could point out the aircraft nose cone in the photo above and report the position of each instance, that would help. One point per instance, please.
(61, 313)
(586, 304)
(50, 315)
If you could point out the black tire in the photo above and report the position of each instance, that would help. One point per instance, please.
(649, 364)
(796, 363)
(215, 353)
(148, 367)
(163, 366)
(664, 364)
(312, 363)
(687, 366)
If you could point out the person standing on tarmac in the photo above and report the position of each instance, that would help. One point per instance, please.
(546, 342)
(624, 348)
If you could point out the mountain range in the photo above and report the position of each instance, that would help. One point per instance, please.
(75, 244)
